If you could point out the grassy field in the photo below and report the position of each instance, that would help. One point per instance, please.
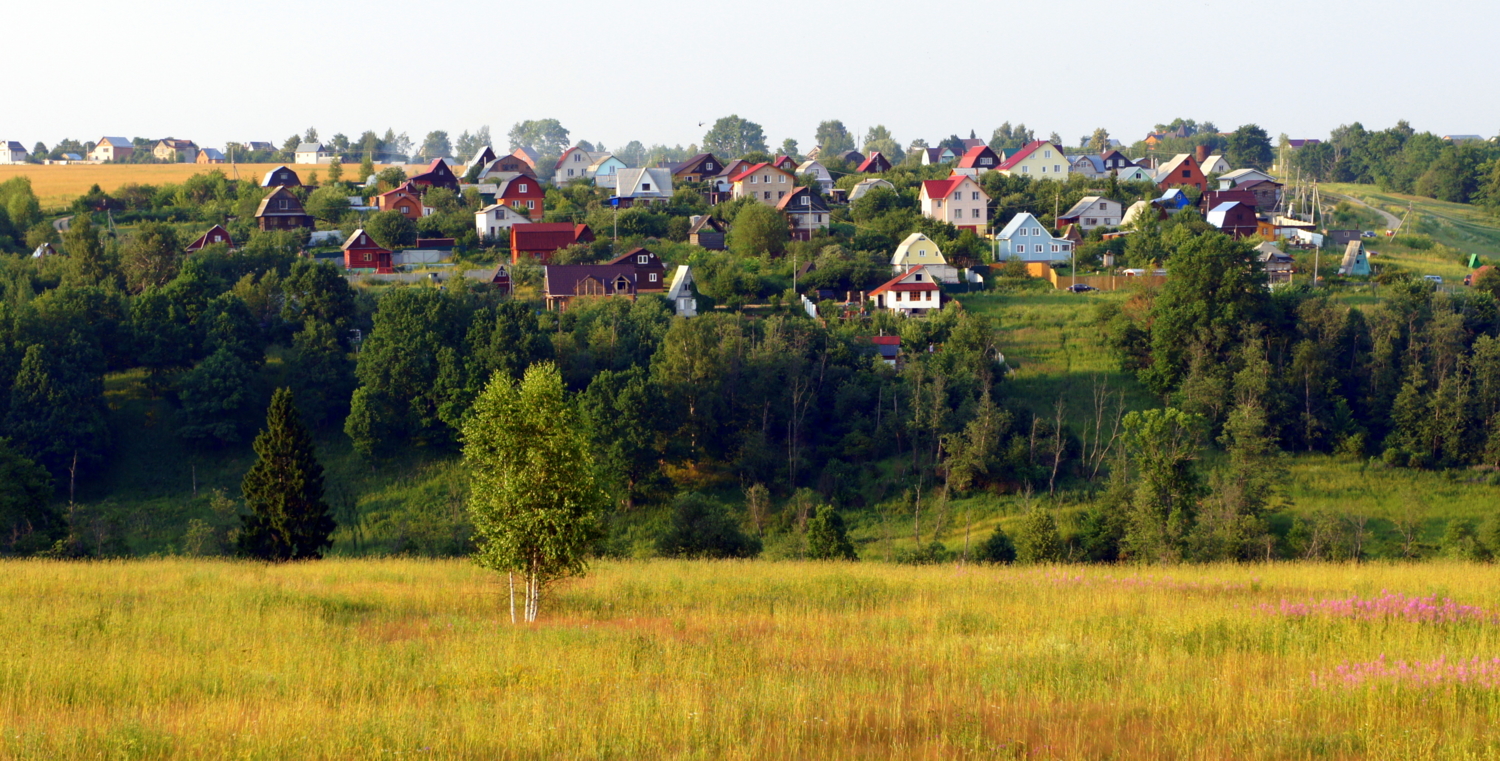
(169, 659)
(56, 185)
(1467, 228)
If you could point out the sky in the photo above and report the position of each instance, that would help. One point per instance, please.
(661, 71)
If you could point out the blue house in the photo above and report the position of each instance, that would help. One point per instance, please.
(1027, 239)
(1174, 200)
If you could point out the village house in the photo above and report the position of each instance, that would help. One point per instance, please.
(605, 170)
(563, 283)
(875, 163)
(1025, 238)
(958, 200)
(706, 231)
(281, 177)
(529, 155)
(819, 172)
(1040, 159)
(505, 167)
(1233, 218)
(112, 149)
(210, 156)
(763, 182)
(523, 192)
(176, 151)
(912, 292)
(12, 152)
(1267, 194)
(939, 155)
(406, 199)
(806, 212)
(918, 250)
(1181, 171)
(363, 254)
(438, 175)
(311, 153)
(282, 211)
(681, 294)
(495, 220)
(537, 242)
(977, 161)
(1214, 164)
(1135, 174)
(573, 164)
(1093, 211)
(1238, 177)
(481, 159)
(696, 169)
(215, 235)
(651, 272)
(865, 186)
(258, 145)
(1089, 166)
(785, 162)
(643, 186)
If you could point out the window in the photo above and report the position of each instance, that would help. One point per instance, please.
(768, 195)
(782, 180)
(643, 258)
(1025, 231)
(918, 278)
(531, 204)
(766, 178)
(523, 187)
(1187, 173)
(646, 187)
(577, 157)
(1025, 169)
(570, 173)
(975, 214)
(986, 161)
(1054, 248)
(1044, 169)
(779, 194)
(1046, 154)
(1089, 221)
(1057, 168)
(976, 196)
(709, 166)
(653, 277)
(898, 295)
(753, 178)
(1103, 206)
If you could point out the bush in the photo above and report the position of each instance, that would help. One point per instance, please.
(932, 554)
(826, 537)
(1038, 540)
(998, 548)
(703, 528)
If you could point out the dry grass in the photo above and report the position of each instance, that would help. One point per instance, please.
(58, 184)
(362, 659)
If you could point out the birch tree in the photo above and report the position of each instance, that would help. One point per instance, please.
(533, 496)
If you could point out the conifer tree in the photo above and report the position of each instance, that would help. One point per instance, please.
(1038, 541)
(289, 520)
(826, 537)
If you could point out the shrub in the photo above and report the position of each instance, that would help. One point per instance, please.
(998, 548)
(1038, 540)
(703, 528)
(934, 553)
(826, 537)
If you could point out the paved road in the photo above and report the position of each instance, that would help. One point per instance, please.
(62, 224)
(1391, 220)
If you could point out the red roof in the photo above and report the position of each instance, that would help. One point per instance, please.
(548, 236)
(942, 188)
(886, 340)
(971, 157)
(750, 170)
(895, 284)
(1018, 156)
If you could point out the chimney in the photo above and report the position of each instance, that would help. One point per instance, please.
(1200, 154)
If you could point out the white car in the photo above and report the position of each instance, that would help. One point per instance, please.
(1433, 278)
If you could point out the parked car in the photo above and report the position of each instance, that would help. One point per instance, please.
(1367, 234)
(1433, 278)
(1081, 288)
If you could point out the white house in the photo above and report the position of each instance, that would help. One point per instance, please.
(12, 152)
(574, 164)
(1215, 164)
(495, 220)
(681, 292)
(1027, 239)
(1091, 212)
(311, 153)
(1089, 166)
(911, 292)
(605, 169)
(820, 173)
(864, 186)
(918, 250)
(644, 185)
(958, 200)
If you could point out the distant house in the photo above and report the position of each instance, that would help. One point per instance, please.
(1215, 164)
(1115, 161)
(911, 292)
(697, 168)
(1135, 174)
(1093, 211)
(1355, 263)
(1237, 177)
(45, 250)
(919, 251)
(529, 155)
(605, 170)
(506, 166)
(643, 186)
(363, 254)
(1142, 211)
(438, 175)
(112, 149)
(785, 162)
(958, 200)
(495, 220)
(806, 212)
(875, 163)
(1277, 265)
(574, 164)
(865, 186)
(763, 182)
(1213, 198)
(651, 273)
(853, 158)
(481, 160)
(1181, 171)
(256, 145)
(561, 284)
(1233, 218)
(12, 152)
(681, 292)
(707, 232)
(1027, 239)
(888, 347)
(1040, 159)
(1089, 166)
(939, 155)
(215, 235)
(210, 156)
(537, 242)
(1294, 144)
(523, 192)
(819, 173)
(282, 211)
(1267, 193)
(176, 151)
(1174, 200)
(281, 177)
(1462, 138)
(311, 153)
(406, 199)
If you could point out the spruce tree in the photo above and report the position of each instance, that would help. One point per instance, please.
(826, 537)
(1038, 541)
(289, 519)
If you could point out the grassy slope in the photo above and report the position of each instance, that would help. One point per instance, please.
(175, 659)
(1467, 228)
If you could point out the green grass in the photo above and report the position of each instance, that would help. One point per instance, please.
(1464, 227)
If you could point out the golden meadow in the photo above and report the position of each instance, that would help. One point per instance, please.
(733, 660)
(56, 185)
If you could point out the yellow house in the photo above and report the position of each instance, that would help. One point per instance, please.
(1040, 159)
(763, 182)
(918, 250)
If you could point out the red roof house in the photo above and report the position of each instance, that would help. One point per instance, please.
(215, 234)
(361, 252)
(523, 193)
(977, 161)
(875, 163)
(539, 241)
(911, 292)
(406, 199)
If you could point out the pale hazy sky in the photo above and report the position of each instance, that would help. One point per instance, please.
(652, 70)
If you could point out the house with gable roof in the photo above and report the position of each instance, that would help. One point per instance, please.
(311, 153)
(875, 163)
(763, 182)
(1234, 218)
(281, 177)
(363, 254)
(1093, 211)
(523, 193)
(1181, 171)
(210, 156)
(643, 186)
(958, 200)
(977, 160)
(280, 210)
(819, 173)
(912, 292)
(1238, 177)
(865, 186)
(918, 250)
(784, 162)
(1135, 174)
(806, 212)
(939, 155)
(112, 149)
(176, 151)
(1088, 165)
(1027, 239)
(406, 199)
(574, 164)
(707, 232)
(215, 235)
(1040, 159)
(651, 272)
(494, 221)
(537, 241)
(1215, 164)
(482, 159)
(605, 170)
(438, 175)
(697, 168)
(13, 152)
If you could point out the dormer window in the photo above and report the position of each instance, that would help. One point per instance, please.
(709, 166)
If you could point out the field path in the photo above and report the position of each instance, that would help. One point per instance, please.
(1391, 220)
(62, 224)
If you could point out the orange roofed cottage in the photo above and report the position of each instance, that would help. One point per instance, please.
(406, 199)
(912, 292)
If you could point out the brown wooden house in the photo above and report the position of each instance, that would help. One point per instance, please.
(563, 283)
(697, 168)
(406, 199)
(438, 175)
(282, 211)
(537, 242)
(215, 235)
(708, 232)
(651, 273)
(281, 177)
